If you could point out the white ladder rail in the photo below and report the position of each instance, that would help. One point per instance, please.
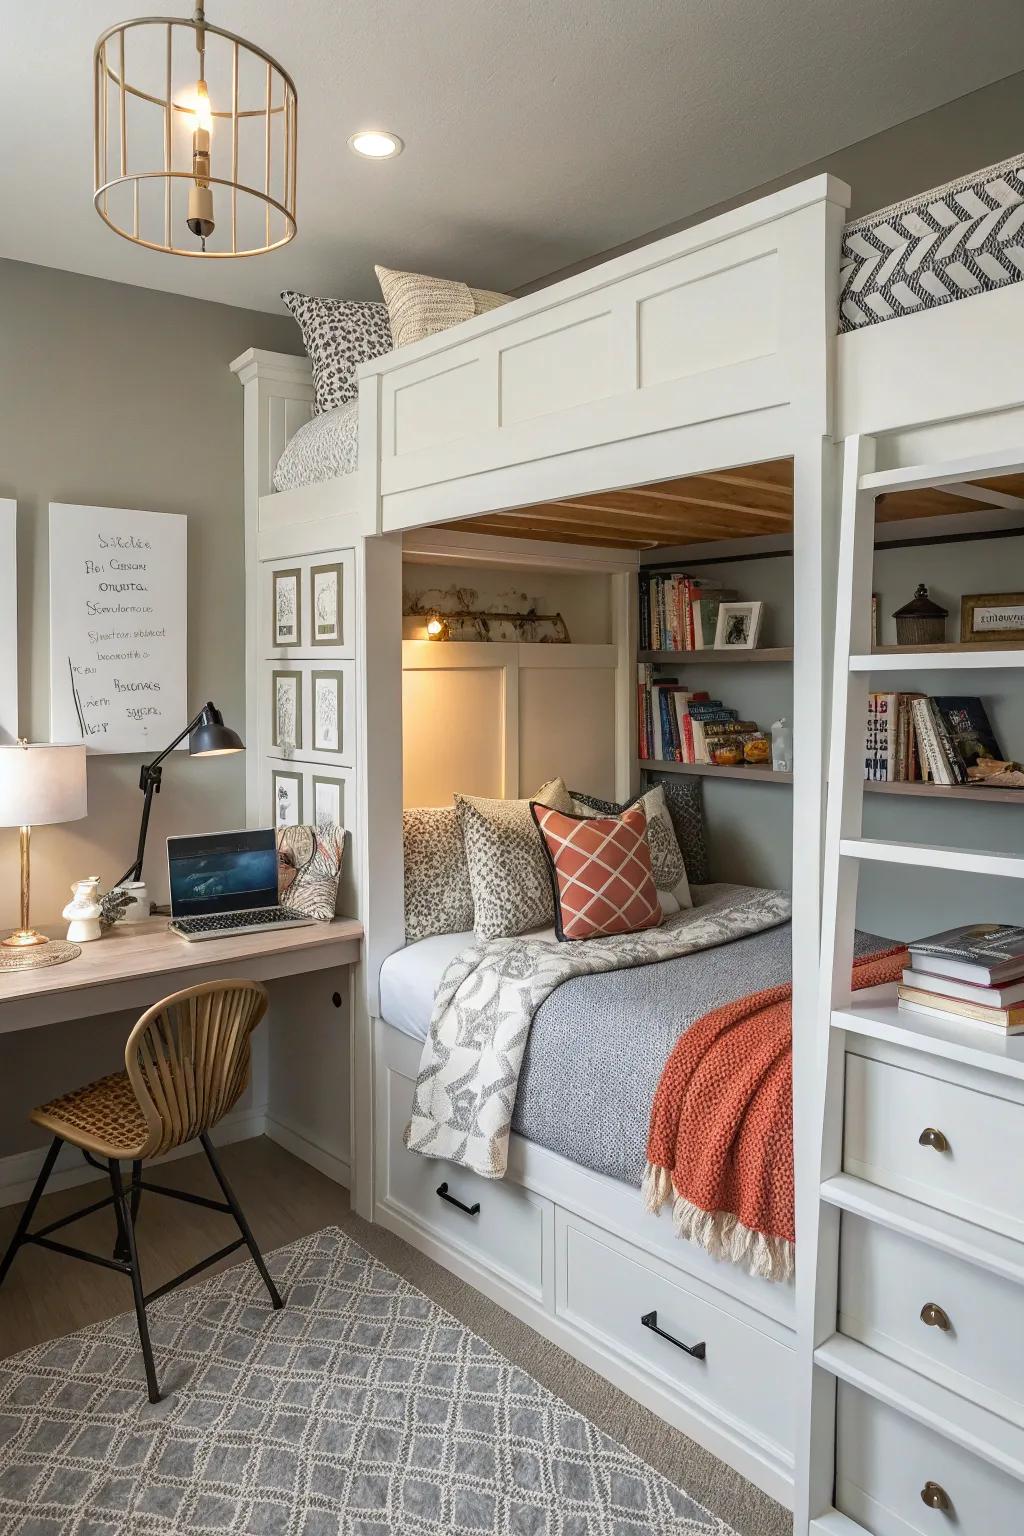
(817, 1221)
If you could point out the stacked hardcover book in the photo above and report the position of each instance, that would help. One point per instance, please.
(913, 737)
(677, 725)
(679, 612)
(974, 973)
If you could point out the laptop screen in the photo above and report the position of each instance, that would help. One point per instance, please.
(222, 872)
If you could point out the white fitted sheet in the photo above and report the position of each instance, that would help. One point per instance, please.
(409, 978)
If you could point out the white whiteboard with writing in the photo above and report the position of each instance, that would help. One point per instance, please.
(8, 623)
(117, 627)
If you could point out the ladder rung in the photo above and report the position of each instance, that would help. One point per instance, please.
(919, 477)
(923, 856)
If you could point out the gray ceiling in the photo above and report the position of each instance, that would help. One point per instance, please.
(538, 132)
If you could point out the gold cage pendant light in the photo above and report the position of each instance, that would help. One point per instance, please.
(194, 142)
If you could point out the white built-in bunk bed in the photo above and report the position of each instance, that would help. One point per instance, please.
(690, 371)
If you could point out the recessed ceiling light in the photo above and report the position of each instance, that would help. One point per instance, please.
(376, 144)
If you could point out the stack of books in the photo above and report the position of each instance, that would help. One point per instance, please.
(679, 612)
(913, 737)
(975, 973)
(678, 725)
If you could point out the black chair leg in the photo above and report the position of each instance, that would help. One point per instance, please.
(239, 1215)
(30, 1208)
(120, 1247)
(126, 1239)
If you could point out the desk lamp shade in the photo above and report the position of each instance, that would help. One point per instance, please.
(39, 785)
(211, 737)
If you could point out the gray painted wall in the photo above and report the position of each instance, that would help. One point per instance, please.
(120, 396)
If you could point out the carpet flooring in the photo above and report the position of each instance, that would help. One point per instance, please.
(361, 1409)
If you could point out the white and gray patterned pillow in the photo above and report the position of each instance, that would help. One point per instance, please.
(338, 335)
(667, 860)
(508, 871)
(326, 446)
(438, 897)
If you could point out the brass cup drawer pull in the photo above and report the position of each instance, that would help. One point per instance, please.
(936, 1497)
(930, 1137)
(933, 1316)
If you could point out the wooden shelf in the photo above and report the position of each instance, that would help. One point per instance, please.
(945, 791)
(714, 770)
(697, 658)
(941, 658)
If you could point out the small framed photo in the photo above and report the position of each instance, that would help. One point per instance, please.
(286, 709)
(326, 711)
(325, 604)
(287, 794)
(287, 608)
(739, 626)
(328, 801)
(992, 618)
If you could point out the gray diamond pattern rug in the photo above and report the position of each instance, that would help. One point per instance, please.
(361, 1409)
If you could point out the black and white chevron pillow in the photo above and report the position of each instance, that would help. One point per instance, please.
(338, 335)
(950, 243)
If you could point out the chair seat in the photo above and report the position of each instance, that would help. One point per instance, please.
(103, 1117)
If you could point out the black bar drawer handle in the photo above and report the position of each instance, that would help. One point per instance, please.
(470, 1210)
(698, 1351)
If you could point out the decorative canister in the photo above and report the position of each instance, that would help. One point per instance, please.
(757, 750)
(138, 908)
(920, 622)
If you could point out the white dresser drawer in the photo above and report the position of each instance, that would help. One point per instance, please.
(506, 1228)
(884, 1461)
(946, 1318)
(609, 1288)
(970, 1160)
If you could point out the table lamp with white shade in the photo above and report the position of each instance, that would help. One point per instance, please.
(39, 785)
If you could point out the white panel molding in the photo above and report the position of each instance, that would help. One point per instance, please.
(8, 621)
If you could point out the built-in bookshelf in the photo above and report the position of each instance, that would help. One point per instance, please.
(719, 771)
(771, 653)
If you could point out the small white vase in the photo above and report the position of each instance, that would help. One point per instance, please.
(83, 910)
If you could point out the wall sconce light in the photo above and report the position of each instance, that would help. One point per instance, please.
(437, 629)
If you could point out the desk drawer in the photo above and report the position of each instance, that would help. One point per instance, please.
(608, 1288)
(507, 1229)
(884, 1461)
(973, 1166)
(973, 1344)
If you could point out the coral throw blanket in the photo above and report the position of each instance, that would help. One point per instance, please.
(721, 1138)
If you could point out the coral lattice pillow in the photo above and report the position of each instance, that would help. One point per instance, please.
(600, 872)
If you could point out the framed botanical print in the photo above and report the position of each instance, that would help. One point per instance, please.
(287, 608)
(326, 711)
(287, 795)
(286, 709)
(328, 801)
(325, 604)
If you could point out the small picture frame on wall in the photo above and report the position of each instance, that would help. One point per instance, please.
(287, 796)
(325, 605)
(326, 711)
(286, 710)
(739, 626)
(992, 618)
(287, 608)
(328, 801)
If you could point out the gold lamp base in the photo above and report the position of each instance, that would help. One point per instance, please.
(25, 936)
(21, 938)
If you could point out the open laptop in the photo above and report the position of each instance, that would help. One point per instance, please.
(226, 882)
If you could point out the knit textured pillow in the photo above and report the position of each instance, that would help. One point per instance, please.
(600, 872)
(438, 897)
(667, 862)
(338, 335)
(508, 871)
(421, 306)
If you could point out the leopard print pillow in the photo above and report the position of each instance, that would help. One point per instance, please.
(338, 335)
(507, 868)
(667, 859)
(438, 897)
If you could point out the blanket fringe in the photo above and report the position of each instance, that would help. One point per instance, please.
(720, 1233)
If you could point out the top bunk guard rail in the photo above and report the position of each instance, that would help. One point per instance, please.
(733, 318)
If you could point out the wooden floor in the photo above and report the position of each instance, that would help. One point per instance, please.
(46, 1296)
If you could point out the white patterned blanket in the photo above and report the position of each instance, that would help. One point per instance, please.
(486, 1002)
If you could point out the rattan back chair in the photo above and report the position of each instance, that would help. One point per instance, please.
(187, 1062)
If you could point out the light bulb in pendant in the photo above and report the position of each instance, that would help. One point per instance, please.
(200, 197)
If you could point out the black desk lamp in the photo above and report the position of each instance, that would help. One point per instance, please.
(208, 736)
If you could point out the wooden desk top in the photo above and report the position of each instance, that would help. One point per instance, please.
(137, 963)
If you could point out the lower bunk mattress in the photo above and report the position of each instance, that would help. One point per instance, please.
(598, 1043)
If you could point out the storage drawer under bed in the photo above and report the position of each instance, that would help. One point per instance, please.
(896, 1478)
(674, 1329)
(495, 1220)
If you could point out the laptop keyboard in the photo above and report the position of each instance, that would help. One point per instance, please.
(259, 917)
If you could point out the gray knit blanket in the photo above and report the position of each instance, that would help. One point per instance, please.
(487, 999)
